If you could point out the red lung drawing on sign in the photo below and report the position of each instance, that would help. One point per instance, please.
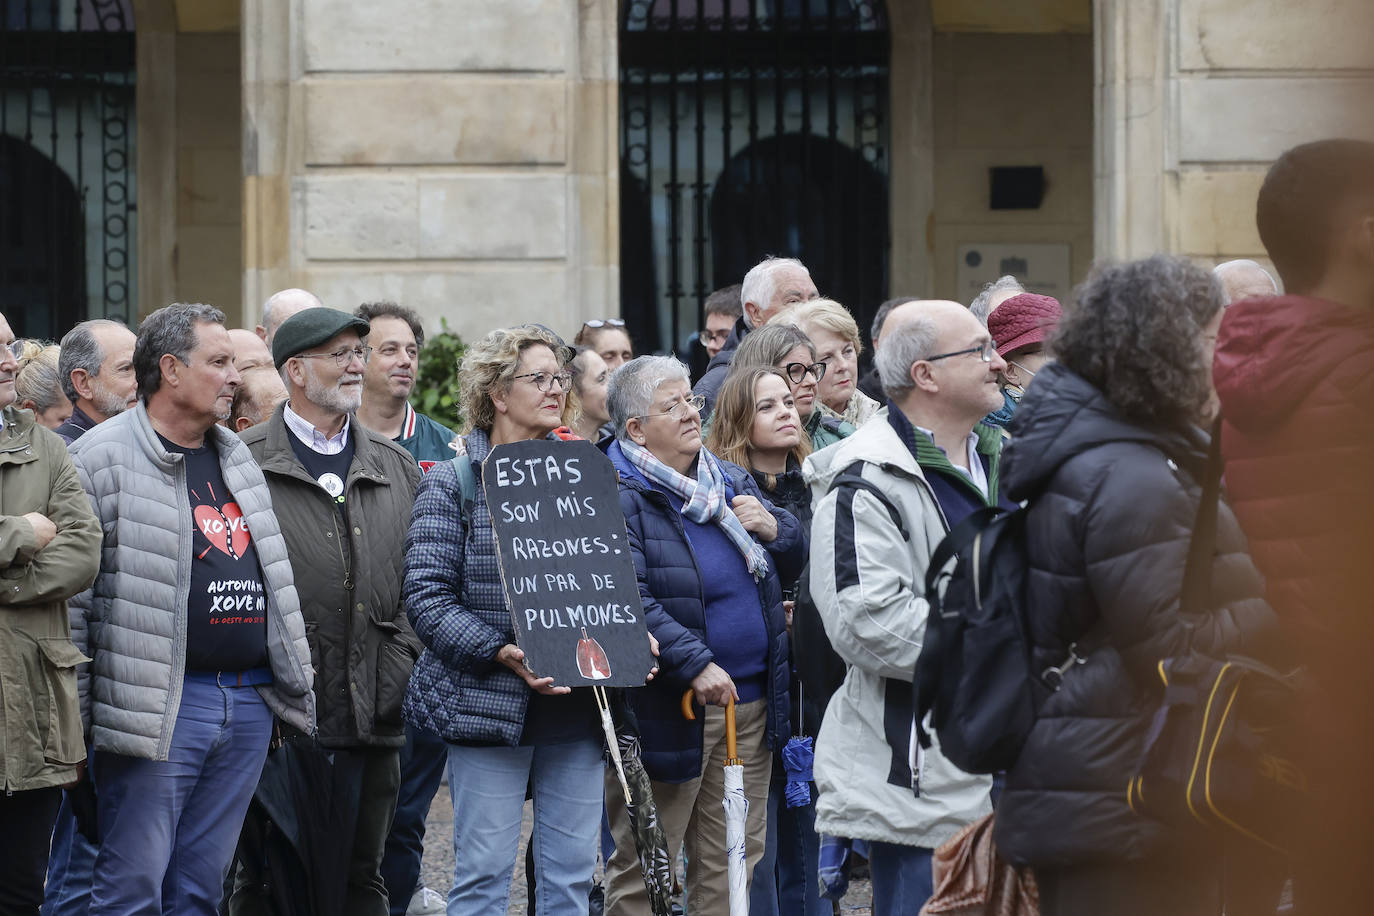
(592, 662)
(224, 527)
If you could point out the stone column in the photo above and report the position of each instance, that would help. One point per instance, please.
(912, 188)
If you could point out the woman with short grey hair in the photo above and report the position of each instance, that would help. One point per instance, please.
(707, 549)
(1107, 449)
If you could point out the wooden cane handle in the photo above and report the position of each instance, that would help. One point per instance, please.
(731, 745)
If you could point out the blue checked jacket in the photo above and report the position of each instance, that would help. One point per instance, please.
(456, 605)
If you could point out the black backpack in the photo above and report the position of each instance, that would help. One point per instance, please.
(818, 667)
(974, 672)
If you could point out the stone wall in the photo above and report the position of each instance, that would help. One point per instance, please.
(1196, 97)
(1011, 100)
(457, 156)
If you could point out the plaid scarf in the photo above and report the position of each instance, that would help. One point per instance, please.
(703, 499)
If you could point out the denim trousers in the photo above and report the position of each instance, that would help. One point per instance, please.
(487, 785)
(423, 760)
(70, 866)
(902, 879)
(26, 820)
(168, 828)
(785, 880)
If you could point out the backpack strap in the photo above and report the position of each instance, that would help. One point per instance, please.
(467, 486)
(852, 477)
(957, 539)
(1196, 594)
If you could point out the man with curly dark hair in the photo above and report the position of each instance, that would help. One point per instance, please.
(1295, 378)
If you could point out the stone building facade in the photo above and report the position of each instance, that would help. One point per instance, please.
(465, 156)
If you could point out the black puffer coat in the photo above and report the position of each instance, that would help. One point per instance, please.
(1112, 507)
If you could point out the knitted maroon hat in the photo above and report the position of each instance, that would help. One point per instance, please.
(1022, 320)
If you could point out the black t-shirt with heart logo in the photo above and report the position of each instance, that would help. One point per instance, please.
(226, 624)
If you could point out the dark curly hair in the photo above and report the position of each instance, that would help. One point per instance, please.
(1135, 332)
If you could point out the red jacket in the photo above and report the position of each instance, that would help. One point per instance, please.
(1295, 376)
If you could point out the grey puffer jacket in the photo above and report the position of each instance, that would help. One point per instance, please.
(136, 623)
(1112, 506)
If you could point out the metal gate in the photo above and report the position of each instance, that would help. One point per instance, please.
(67, 202)
(749, 128)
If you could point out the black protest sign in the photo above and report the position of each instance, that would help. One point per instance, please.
(569, 577)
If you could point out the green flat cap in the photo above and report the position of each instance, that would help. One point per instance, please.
(310, 328)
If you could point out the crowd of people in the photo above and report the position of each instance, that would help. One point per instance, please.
(251, 593)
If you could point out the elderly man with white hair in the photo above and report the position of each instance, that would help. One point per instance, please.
(769, 287)
(1244, 279)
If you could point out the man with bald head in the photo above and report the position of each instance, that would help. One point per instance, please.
(886, 496)
(281, 306)
(250, 350)
(1244, 279)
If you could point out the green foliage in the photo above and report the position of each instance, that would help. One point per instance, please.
(436, 385)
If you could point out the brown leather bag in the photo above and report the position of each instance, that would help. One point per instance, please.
(971, 879)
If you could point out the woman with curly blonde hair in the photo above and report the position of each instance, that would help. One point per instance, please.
(835, 334)
(37, 384)
(506, 727)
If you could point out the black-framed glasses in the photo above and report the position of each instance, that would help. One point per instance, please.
(709, 337)
(544, 380)
(695, 402)
(341, 357)
(798, 372)
(604, 323)
(984, 351)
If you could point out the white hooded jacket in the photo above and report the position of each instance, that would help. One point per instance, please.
(869, 583)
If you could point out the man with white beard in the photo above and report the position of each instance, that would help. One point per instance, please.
(343, 496)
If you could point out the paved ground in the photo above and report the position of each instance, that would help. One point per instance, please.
(437, 869)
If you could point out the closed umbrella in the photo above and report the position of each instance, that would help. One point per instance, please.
(655, 862)
(736, 806)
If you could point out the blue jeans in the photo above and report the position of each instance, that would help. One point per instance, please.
(422, 768)
(902, 880)
(487, 785)
(168, 828)
(785, 879)
(68, 891)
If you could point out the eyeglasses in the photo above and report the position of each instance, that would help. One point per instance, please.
(709, 337)
(341, 357)
(544, 380)
(798, 372)
(679, 410)
(1012, 362)
(984, 351)
(604, 323)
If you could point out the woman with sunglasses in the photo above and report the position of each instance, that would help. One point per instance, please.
(506, 727)
(787, 349)
(608, 338)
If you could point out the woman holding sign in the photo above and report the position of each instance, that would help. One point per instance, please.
(708, 550)
(506, 728)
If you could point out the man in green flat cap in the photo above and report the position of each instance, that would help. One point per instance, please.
(343, 496)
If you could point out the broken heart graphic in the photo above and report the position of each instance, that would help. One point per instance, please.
(213, 522)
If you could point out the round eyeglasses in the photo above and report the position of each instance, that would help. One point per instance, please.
(798, 372)
(545, 380)
(679, 410)
(341, 357)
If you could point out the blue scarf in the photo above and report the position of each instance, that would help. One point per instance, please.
(703, 499)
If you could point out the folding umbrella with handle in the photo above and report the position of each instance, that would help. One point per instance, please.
(736, 806)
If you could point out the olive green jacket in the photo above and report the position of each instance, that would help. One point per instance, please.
(40, 722)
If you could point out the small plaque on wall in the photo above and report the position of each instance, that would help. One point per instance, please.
(1041, 267)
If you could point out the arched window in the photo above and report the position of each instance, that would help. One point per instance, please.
(67, 204)
(751, 127)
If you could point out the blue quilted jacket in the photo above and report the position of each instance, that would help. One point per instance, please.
(456, 604)
(671, 588)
